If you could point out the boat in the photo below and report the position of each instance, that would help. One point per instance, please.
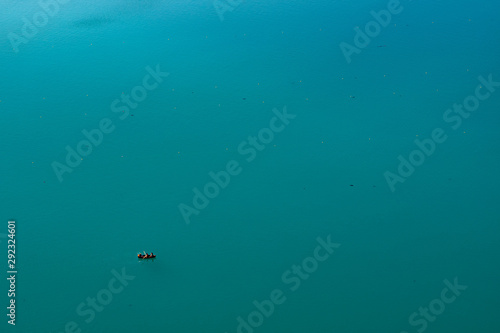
(148, 256)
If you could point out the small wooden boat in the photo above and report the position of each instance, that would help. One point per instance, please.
(148, 256)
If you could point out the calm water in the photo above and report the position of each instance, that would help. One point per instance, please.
(321, 174)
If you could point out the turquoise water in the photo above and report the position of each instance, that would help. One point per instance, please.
(321, 175)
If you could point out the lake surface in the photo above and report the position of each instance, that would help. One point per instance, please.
(296, 166)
